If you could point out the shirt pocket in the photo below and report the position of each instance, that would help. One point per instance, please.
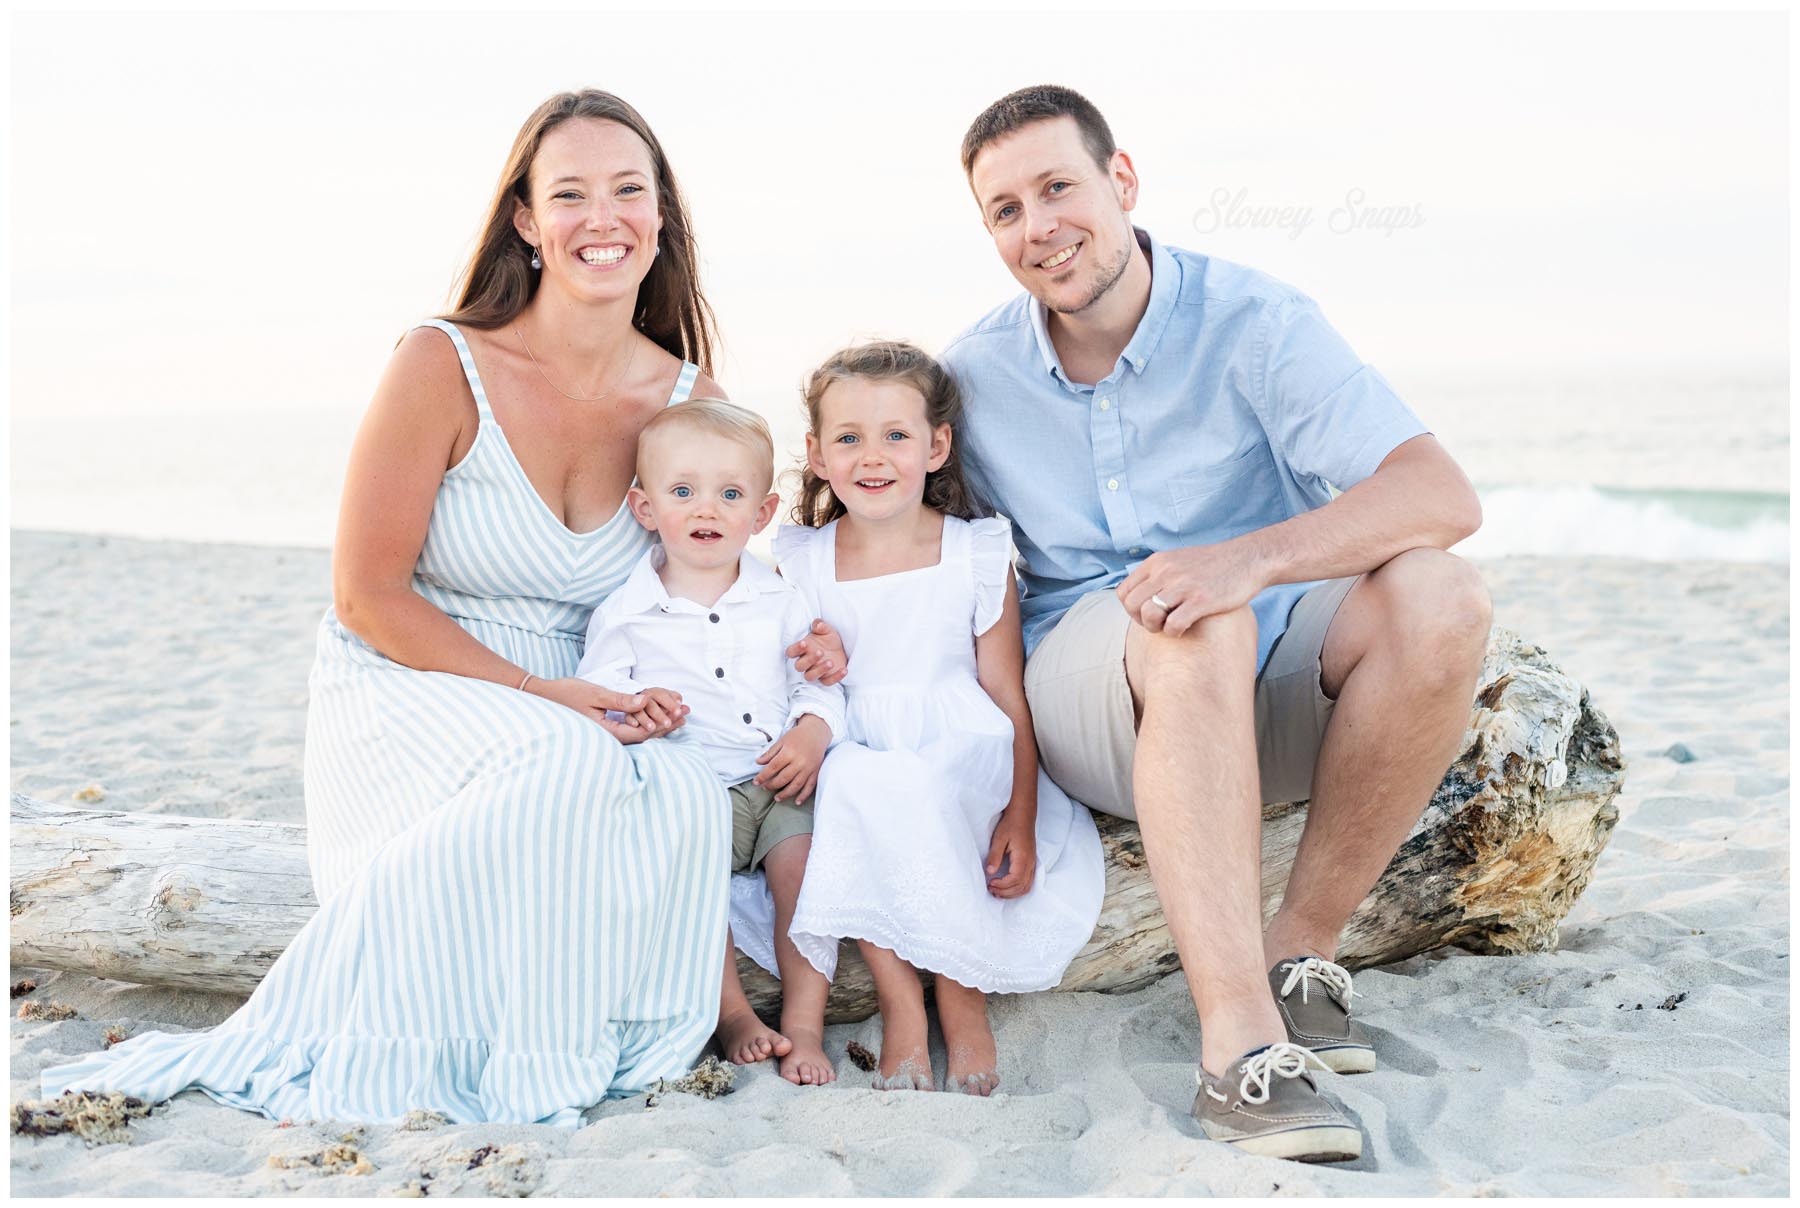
(762, 665)
(1220, 498)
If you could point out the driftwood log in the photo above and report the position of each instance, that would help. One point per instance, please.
(1499, 856)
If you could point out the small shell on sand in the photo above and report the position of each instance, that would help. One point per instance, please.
(113, 1035)
(23, 987)
(419, 1121)
(332, 1159)
(709, 1080)
(33, 1009)
(98, 1119)
(90, 794)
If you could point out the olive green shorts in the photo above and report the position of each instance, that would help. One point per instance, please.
(759, 822)
(1087, 729)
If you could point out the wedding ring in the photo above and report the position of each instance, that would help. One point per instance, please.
(1161, 603)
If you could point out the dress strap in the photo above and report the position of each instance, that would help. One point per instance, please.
(684, 383)
(468, 364)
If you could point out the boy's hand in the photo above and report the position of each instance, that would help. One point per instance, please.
(1015, 845)
(662, 710)
(792, 763)
(819, 656)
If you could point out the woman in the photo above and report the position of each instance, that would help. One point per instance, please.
(522, 905)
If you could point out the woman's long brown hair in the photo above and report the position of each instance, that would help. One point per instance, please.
(498, 280)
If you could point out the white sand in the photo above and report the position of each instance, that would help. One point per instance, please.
(175, 677)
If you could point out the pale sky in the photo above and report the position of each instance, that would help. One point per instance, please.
(237, 212)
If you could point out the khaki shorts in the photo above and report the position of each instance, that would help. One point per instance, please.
(1087, 729)
(759, 822)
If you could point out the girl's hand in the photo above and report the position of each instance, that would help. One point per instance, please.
(593, 702)
(820, 656)
(1014, 844)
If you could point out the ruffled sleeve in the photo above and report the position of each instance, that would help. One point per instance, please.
(796, 555)
(990, 561)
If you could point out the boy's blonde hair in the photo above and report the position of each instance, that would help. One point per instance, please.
(716, 417)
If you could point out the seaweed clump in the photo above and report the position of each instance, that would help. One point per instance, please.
(710, 1079)
(31, 1008)
(859, 1055)
(333, 1159)
(509, 1171)
(97, 1118)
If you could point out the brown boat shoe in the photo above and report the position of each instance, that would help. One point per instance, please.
(1313, 996)
(1268, 1104)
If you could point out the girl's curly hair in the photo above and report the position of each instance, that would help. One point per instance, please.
(947, 487)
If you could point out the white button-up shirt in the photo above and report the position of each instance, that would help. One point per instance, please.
(729, 661)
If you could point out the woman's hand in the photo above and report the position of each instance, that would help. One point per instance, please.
(820, 656)
(1015, 845)
(593, 702)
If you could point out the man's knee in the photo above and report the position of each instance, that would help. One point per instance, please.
(1439, 609)
(1215, 651)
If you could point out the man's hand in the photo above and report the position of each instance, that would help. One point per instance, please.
(820, 655)
(1194, 583)
(1015, 845)
(791, 766)
(662, 710)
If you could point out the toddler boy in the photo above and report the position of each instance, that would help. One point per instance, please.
(703, 624)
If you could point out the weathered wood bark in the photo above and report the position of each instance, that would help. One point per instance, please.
(1500, 854)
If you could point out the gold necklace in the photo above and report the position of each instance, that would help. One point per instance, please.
(520, 332)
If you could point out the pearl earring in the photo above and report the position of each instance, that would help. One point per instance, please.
(537, 261)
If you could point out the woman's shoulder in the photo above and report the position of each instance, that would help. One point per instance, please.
(705, 387)
(425, 376)
(431, 347)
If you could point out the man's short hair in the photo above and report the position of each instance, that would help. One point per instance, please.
(716, 417)
(1035, 104)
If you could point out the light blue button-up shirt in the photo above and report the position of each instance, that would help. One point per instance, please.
(1234, 406)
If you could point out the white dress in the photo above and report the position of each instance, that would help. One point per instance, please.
(906, 805)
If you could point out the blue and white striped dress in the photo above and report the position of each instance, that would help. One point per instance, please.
(519, 915)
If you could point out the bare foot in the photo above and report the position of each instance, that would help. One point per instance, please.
(972, 1066)
(745, 1039)
(905, 1057)
(807, 1064)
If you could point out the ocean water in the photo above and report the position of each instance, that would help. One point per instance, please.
(1664, 467)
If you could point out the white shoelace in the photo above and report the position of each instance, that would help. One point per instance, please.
(1309, 969)
(1277, 1061)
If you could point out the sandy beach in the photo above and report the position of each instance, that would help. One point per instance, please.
(172, 678)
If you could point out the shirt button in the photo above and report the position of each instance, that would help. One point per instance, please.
(1112, 484)
(713, 617)
(719, 671)
(1106, 404)
(746, 719)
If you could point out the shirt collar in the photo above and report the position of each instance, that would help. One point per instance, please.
(1164, 289)
(643, 589)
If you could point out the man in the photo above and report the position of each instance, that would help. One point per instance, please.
(1207, 627)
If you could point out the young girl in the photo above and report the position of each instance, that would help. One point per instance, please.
(938, 844)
